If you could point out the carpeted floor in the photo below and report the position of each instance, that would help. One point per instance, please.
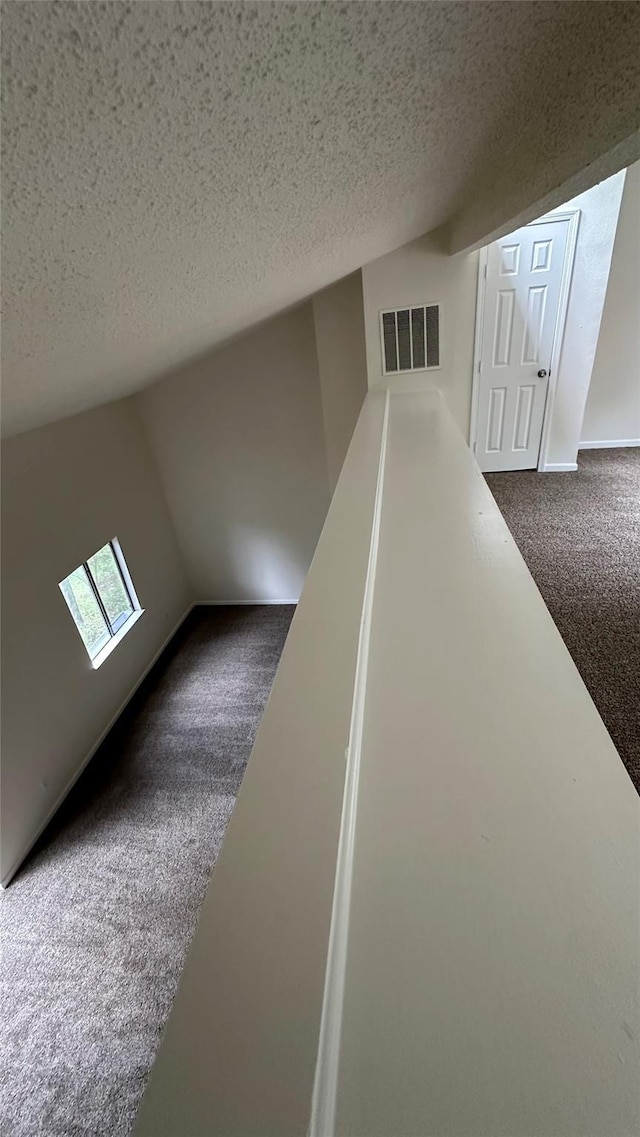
(580, 536)
(97, 924)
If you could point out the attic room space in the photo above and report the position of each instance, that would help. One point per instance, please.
(320, 504)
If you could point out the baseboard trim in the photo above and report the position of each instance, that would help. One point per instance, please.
(609, 444)
(239, 603)
(560, 467)
(6, 880)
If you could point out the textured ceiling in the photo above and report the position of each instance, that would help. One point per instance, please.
(173, 173)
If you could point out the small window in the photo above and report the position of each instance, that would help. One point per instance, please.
(102, 600)
(410, 339)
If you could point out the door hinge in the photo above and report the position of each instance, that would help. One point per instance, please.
(474, 447)
(479, 366)
(485, 272)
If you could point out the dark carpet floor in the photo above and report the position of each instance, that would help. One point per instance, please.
(580, 536)
(97, 924)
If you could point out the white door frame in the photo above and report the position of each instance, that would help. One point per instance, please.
(573, 217)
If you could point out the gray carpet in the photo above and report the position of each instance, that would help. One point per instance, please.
(97, 924)
(580, 536)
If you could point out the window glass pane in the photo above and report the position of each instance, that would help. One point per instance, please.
(85, 610)
(106, 573)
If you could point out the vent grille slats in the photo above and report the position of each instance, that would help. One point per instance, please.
(389, 336)
(433, 335)
(404, 340)
(411, 338)
(417, 336)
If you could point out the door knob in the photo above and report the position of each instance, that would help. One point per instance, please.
(542, 374)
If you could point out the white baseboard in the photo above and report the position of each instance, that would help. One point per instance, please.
(609, 443)
(560, 467)
(70, 784)
(240, 603)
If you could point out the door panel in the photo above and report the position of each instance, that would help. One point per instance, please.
(524, 408)
(495, 430)
(524, 273)
(504, 327)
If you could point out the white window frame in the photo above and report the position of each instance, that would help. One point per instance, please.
(115, 635)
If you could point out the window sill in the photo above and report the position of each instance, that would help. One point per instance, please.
(99, 659)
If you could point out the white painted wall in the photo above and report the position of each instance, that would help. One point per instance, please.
(612, 413)
(338, 317)
(66, 490)
(492, 974)
(599, 208)
(256, 968)
(423, 273)
(491, 962)
(239, 442)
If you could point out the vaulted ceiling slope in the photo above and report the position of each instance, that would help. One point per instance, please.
(174, 173)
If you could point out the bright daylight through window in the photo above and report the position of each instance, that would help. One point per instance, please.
(101, 599)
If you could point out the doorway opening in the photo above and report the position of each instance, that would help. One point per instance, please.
(541, 294)
(523, 291)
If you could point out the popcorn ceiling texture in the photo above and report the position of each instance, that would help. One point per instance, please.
(175, 172)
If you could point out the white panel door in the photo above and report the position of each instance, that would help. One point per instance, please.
(524, 274)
